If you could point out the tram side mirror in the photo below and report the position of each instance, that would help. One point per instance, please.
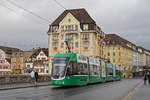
(68, 71)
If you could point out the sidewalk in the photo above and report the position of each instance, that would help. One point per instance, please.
(142, 92)
(22, 85)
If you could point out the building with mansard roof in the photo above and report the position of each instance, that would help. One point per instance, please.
(77, 27)
(119, 52)
(133, 59)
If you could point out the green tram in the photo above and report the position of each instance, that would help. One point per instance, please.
(71, 69)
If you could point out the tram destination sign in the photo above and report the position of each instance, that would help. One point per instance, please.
(94, 61)
(81, 58)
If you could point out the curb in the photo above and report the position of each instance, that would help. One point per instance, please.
(11, 88)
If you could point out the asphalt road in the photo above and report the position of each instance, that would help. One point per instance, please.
(102, 91)
(142, 92)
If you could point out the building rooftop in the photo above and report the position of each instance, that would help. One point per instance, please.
(117, 38)
(80, 14)
(45, 50)
(9, 50)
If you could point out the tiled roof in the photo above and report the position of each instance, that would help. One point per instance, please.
(35, 54)
(45, 51)
(121, 41)
(80, 14)
(9, 50)
(115, 39)
(141, 47)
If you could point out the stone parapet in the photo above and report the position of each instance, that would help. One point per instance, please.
(11, 79)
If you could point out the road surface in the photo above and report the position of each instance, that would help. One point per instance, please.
(102, 91)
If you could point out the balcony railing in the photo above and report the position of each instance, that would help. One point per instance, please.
(55, 47)
(55, 39)
(85, 39)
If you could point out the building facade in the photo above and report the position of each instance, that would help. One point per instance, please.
(4, 64)
(135, 60)
(143, 61)
(147, 52)
(38, 61)
(80, 31)
(119, 52)
(17, 62)
(5, 59)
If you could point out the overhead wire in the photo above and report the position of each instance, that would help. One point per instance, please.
(26, 10)
(12, 10)
(7, 7)
(60, 4)
(32, 13)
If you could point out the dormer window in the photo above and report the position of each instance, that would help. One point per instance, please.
(85, 27)
(54, 28)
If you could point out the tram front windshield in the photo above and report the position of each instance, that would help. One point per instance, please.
(59, 67)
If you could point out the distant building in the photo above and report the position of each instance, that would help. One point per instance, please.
(5, 59)
(18, 61)
(38, 61)
(134, 60)
(26, 55)
(143, 60)
(147, 52)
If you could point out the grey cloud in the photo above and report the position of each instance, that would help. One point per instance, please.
(129, 19)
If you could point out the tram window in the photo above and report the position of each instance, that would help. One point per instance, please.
(79, 69)
(117, 72)
(85, 69)
(91, 70)
(74, 68)
(82, 69)
(97, 70)
(109, 71)
(94, 70)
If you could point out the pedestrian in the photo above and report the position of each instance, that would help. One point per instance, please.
(145, 78)
(32, 76)
(148, 77)
(36, 77)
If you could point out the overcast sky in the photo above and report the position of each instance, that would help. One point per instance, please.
(18, 28)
